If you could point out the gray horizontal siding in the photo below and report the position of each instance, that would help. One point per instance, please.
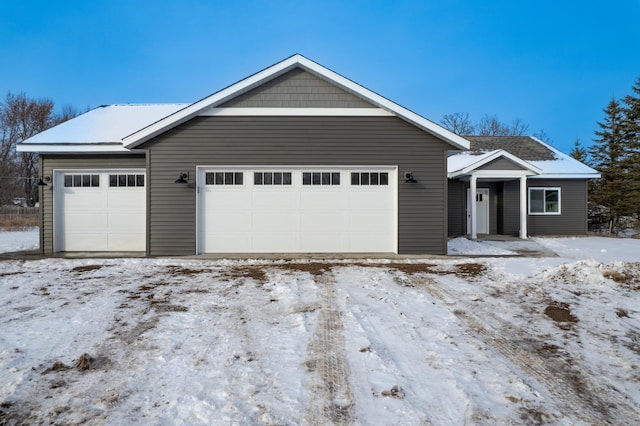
(51, 162)
(457, 208)
(573, 205)
(500, 164)
(297, 89)
(293, 141)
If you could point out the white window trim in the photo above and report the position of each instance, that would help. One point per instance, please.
(545, 188)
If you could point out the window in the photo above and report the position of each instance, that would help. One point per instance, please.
(75, 181)
(272, 178)
(130, 180)
(224, 178)
(321, 178)
(369, 178)
(544, 200)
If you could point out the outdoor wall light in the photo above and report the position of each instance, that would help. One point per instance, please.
(183, 177)
(43, 180)
(408, 178)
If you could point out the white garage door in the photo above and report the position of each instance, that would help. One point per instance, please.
(98, 210)
(297, 210)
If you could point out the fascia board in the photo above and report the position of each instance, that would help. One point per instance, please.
(72, 148)
(568, 176)
(254, 80)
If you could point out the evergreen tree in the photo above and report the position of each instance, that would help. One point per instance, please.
(579, 152)
(631, 129)
(609, 155)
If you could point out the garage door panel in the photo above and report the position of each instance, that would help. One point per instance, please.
(323, 222)
(101, 217)
(268, 200)
(321, 218)
(372, 200)
(276, 221)
(270, 242)
(227, 242)
(230, 221)
(319, 200)
(235, 200)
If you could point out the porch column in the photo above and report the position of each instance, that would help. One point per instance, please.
(523, 207)
(472, 208)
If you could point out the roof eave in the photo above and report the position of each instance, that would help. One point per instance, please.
(93, 148)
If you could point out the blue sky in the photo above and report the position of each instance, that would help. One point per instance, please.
(552, 64)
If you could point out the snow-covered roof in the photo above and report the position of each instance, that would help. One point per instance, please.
(98, 130)
(556, 164)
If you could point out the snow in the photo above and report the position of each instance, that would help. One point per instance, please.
(461, 340)
(11, 241)
(105, 124)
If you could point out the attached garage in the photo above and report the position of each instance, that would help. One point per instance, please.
(99, 210)
(297, 209)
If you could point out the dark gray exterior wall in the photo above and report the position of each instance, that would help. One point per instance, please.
(505, 208)
(457, 208)
(48, 163)
(573, 206)
(422, 210)
(297, 89)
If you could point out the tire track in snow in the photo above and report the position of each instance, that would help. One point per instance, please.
(331, 400)
(597, 405)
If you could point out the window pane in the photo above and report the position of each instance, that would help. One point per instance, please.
(95, 180)
(139, 180)
(122, 180)
(326, 178)
(355, 178)
(536, 200)
(384, 178)
(268, 178)
(68, 181)
(257, 178)
(131, 180)
(286, 178)
(306, 178)
(239, 178)
(219, 178)
(335, 178)
(364, 178)
(277, 178)
(228, 178)
(316, 178)
(208, 178)
(77, 180)
(374, 178)
(552, 204)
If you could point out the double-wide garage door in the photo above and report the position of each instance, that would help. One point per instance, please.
(297, 210)
(98, 210)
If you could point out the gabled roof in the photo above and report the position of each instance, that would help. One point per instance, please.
(465, 163)
(296, 61)
(98, 130)
(548, 161)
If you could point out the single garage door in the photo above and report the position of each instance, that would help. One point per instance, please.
(98, 210)
(297, 210)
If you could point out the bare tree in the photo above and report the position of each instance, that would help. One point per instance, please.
(458, 123)
(489, 125)
(20, 118)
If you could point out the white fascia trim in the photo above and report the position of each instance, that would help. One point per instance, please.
(568, 176)
(273, 71)
(73, 148)
(341, 112)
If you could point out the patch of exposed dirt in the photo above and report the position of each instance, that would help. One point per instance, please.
(463, 269)
(179, 270)
(86, 268)
(255, 273)
(57, 366)
(394, 392)
(313, 268)
(560, 312)
(6, 274)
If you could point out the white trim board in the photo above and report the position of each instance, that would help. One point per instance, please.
(338, 112)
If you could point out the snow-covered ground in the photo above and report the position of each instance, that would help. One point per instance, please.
(11, 241)
(491, 340)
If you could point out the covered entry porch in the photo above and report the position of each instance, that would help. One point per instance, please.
(488, 194)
